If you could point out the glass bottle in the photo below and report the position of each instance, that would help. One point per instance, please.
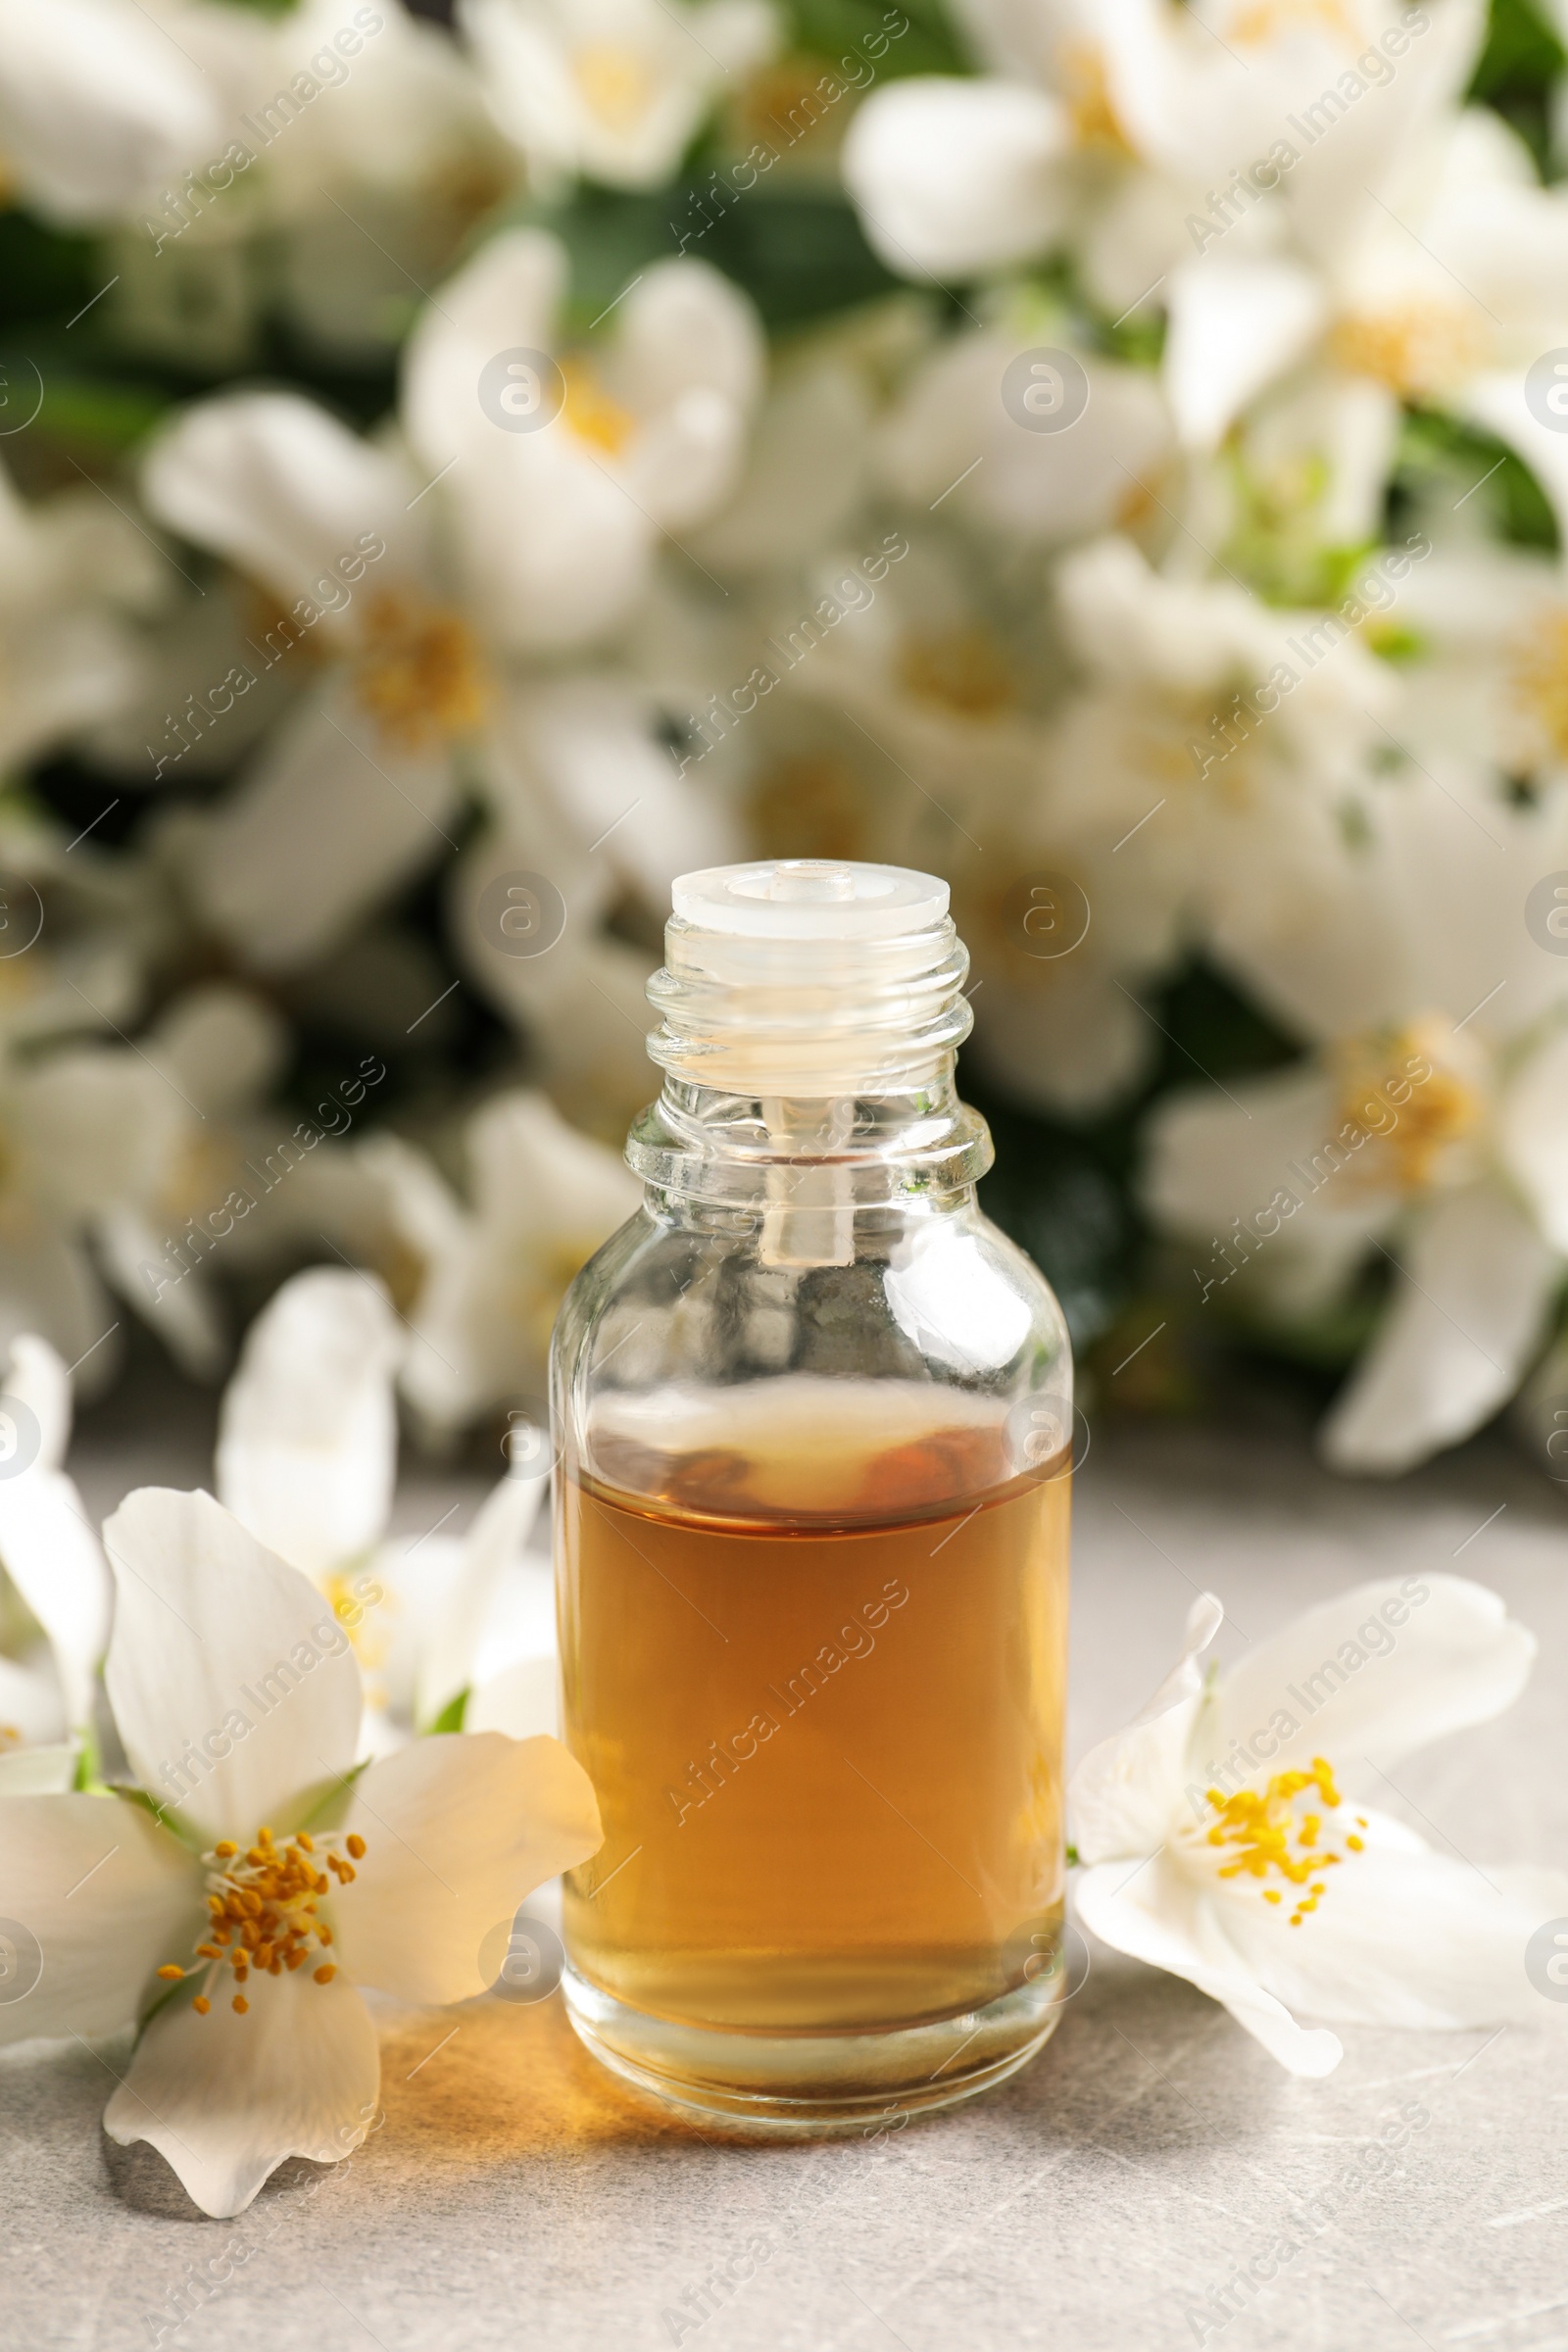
(813, 1415)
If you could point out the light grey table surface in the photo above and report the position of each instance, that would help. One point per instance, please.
(516, 2196)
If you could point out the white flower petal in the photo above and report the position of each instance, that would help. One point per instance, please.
(546, 1196)
(686, 461)
(595, 746)
(1156, 1914)
(32, 1706)
(223, 1046)
(1185, 104)
(685, 327)
(51, 1553)
(1235, 327)
(422, 1206)
(1120, 1797)
(499, 1532)
(1381, 151)
(1029, 485)
(538, 1175)
(328, 820)
(1371, 1674)
(1064, 485)
(36, 1374)
(49, 1284)
(521, 1630)
(97, 106)
(1210, 1161)
(1271, 1159)
(181, 1308)
(953, 176)
(803, 477)
(523, 1701)
(611, 89)
(1075, 1047)
(555, 549)
(50, 1770)
(280, 488)
(1467, 1309)
(458, 1829)
(307, 1440)
(225, 2099)
(1402, 1936)
(96, 1125)
(505, 299)
(48, 1546)
(108, 1895)
(1498, 403)
(1534, 1136)
(234, 1687)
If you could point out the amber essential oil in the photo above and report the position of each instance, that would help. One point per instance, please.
(818, 1689)
(811, 1413)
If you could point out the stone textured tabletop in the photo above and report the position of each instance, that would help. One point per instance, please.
(515, 2196)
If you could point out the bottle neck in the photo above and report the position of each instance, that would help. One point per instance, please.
(807, 1165)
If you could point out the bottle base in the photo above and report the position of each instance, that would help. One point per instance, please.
(809, 2086)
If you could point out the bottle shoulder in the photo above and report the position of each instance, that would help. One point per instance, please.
(937, 1342)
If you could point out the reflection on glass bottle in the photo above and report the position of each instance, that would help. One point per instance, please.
(814, 1416)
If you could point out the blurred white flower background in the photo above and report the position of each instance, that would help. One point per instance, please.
(460, 474)
(462, 466)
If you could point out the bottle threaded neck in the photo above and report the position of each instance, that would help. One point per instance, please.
(810, 979)
(811, 1016)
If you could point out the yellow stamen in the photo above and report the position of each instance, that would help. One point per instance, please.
(356, 1845)
(962, 671)
(613, 83)
(1090, 105)
(419, 673)
(1538, 681)
(1266, 21)
(591, 412)
(1408, 1127)
(1414, 348)
(1267, 1836)
(264, 1912)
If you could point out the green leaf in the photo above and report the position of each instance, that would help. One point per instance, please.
(87, 1779)
(1440, 456)
(799, 253)
(92, 414)
(832, 29)
(165, 1814)
(451, 1716)
(42, 271)
(1520, 62)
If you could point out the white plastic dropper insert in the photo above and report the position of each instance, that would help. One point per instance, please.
(810, 897)
(801, 984)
